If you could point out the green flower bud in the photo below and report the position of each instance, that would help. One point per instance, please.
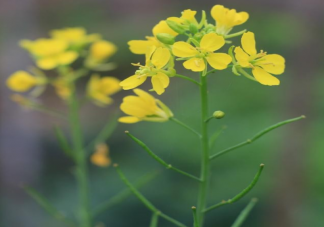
(193, 28)
(165, 38)
(218, 114)
(198, 36)
(176, 27)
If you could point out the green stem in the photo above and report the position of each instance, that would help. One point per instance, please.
(257, 136)
(241, 194)
(243, 215)
(194, 214)
(205, 164)
(81, 163)
(185, 126)
(158, 159)
(187, 78)
(235, 34)
(154, 220)
(147, 203)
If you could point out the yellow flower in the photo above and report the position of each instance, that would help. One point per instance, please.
(197, 56)
(63, 87)
(156, 60)
(226, 18)
(101, 50)
(141, 46)
(101, 156)
(187, 17)
(99, 89)
(50, 53)
(74, 36)
(22, 81)
(144, 107)
(262, 64)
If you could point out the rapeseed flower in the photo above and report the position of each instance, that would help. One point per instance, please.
(99, 89)
(50, 53)
(156, 61)
(63, 87)
(262, 64)
(144, 107)
(102, 50)
(141, 46)
(196, 57)
(226, 18)
(101, 156)
(22, 81)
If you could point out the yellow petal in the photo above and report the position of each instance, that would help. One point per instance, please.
(67, 58)
(273, 63)
(139, 46)
(149, 99)
(212, 42)
(219, 60)
(129, 119)
(160, 57)
(101, 156)
(135, 106)
(195, 64)
(183, 49)
(217, 12)
(148, 54)
(132, 82)
(248, 43)
(160, 81)
(189, 15)
(263, 77)
(47, 63)
(102, 49)
(21, 81)
(241, 18)
(241, 57)
(163, 27)
(110, 85)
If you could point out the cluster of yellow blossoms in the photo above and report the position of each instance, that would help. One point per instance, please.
(202, 40)
(71, 53)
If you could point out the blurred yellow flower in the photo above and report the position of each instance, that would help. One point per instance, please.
(50, 53)
(262, 64)
(102, 50)
(141, 46)
(22, 81)
(99, 89)
(196, 57)
(21, 100)
(74, 36)
(226, 19)
(144, 107)
(63, 87)
(156, 60)
(101, 156)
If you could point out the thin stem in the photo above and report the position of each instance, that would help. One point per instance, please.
(81, 163)
(194, 214)
(158, 159)
(205, 164)
(244, 214)
(154, 220)
(257, 136)
(242, 71)
(48, 207)
(48, 111)
(147, 203)
(241, 194)
(121, 196)
(187, 78)
(185, 126)
(235, 34)
(215, 136)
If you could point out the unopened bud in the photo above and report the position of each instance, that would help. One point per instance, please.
(175, 26)
(218, 114)
(165, 38)
(198, 36)
(193, 28)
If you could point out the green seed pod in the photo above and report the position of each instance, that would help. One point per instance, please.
(176, 27)
(165, 38)
(218, 114)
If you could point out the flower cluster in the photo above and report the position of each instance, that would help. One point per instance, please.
(201, 46)
(70, 53)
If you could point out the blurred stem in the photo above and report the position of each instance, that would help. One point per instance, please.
(154, 220)
(244, 213)
(185, 126)
(187, 78)
(194, 214)
(81, 162)
(204, 174)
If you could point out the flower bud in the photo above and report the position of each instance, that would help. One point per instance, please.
(198, 36)
(175, 26)
(193, 28)
(165, 38)
(218, 114)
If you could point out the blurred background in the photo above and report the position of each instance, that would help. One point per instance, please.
(291, 188)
